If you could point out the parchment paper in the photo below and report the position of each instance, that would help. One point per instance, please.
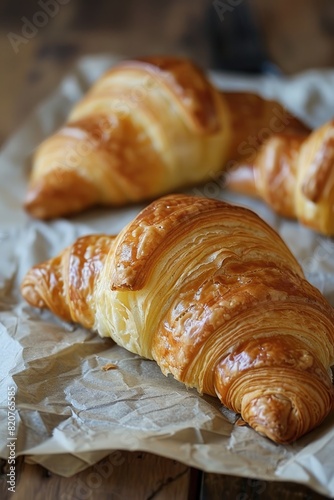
(70, 413)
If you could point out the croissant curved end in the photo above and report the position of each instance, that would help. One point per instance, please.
(34, 203)
(285, 416)
(274, 417)
(280, 388)
(30, 292)
(46, 199)
(43, 287)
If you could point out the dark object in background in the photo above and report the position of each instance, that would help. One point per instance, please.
(271, 36)
(235, 39)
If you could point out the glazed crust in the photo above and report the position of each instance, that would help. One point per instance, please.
(212, 294)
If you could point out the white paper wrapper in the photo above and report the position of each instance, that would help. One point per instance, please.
(71, 413)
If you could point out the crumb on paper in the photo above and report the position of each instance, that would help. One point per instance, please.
(109, 366)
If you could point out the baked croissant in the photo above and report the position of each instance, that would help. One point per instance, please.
(212, 294)
(294, 174)
(146, 128)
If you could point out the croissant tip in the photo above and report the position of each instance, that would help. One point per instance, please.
(48, 199)
(273, 417)
(35, 199)
(34, 207)
(30, 293)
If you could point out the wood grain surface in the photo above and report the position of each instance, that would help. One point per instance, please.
(31, 68)
(122, 475)
(293, 36)
(143, 476)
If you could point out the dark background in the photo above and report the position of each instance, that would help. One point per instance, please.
(285, 36)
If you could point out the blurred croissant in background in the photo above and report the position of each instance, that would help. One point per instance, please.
(147, 127)
(212, 294)
(294, 174)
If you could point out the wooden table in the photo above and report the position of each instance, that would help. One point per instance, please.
(30, 69)
(28, 75)
(142, 476)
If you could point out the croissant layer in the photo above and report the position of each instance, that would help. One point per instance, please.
(212, 294)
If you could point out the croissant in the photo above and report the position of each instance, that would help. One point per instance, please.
(146, 128)
(211, 293)
(294, 174)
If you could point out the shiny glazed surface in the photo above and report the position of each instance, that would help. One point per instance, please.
(212, 294)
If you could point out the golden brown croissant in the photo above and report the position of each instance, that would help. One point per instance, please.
(212, 294)
(294, 174)
(146, 128)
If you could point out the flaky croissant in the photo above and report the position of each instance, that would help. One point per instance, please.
(212, 294)
(294, 174)
(146, 128)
